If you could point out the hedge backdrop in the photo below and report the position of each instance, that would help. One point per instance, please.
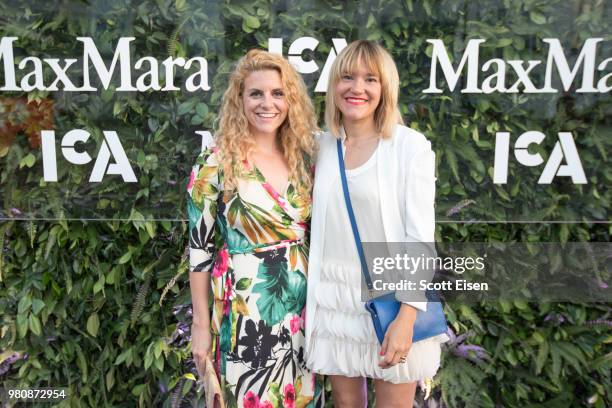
(93, 277)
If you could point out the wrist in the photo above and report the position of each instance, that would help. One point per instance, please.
(201, 323)
(407, 313)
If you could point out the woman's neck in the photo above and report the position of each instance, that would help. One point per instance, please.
(266, 143)
(358, 130)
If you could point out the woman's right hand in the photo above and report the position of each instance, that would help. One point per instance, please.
(201, 342)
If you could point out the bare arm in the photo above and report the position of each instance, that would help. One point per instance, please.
(199, 283)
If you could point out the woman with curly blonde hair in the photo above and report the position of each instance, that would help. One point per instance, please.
(249, 205)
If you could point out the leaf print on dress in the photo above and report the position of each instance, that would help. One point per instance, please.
(257, 223)
(282, 291)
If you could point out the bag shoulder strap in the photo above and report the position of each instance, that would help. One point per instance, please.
(351, 214)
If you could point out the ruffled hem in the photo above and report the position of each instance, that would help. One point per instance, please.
(343, 341)
(340, 288)
(331, 356)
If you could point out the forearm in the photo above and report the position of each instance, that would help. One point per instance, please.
(199, 283)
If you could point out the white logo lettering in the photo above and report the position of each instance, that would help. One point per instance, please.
(33, 78)
(111, 147)
(496, 82)
(297, 48)
(564, 148)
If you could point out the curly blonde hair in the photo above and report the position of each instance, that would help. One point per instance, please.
(296, 134)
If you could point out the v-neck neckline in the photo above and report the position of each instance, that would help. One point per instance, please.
(265, 181)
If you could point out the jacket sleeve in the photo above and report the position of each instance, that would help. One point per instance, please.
(203, 191)
(419, 213)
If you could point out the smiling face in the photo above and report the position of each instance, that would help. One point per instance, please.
(265, 105)
(357, 95)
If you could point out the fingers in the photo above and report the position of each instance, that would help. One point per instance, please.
(392, 353)
(385, 343)
(389, 360)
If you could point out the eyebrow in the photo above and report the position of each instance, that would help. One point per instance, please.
(257, 89)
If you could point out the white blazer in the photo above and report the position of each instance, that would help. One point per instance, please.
(406, 180)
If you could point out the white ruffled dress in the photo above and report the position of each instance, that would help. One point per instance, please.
(343, 340)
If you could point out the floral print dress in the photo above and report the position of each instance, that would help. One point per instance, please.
(254, 244)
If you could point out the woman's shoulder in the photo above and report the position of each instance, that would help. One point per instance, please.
(325, 141)
(209, 156)
(409, 140)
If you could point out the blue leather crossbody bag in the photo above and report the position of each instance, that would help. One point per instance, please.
(385, 308)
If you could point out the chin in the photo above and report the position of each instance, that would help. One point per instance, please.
(267, 129)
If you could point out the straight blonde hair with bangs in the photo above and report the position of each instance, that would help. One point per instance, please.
(380, 63)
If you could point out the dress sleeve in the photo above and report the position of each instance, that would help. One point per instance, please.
(203, 191)
(420, 219)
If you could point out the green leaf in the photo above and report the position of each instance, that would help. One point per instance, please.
(542, 356)
(504, 42)
(81, 363)
(180, 5)
(150, 227)
(252, 22)
(99, 285)
(27, 161)
(185, 107)
(110, 379)
(201, 109)
(37, 306)
(34, 325)
(93, 324)
(24, 304)
(243, 284)
(537, 18)
(125, 258)
(282, 291)
(22, 325)
(123, 356)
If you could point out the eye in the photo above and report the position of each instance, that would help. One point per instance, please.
(278, 93)
(347, 77)
(372, 79)
(255, 93)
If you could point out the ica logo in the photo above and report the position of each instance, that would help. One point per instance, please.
(110, 148)
(565, 148)
(297, 48)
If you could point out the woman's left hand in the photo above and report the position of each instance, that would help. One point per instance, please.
(398, 339)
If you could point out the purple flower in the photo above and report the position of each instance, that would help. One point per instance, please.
(474, 353)
(10, 360)
(162, 388)
(459, 206)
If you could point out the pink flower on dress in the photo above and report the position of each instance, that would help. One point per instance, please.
(191, 180)
(295, 324)
(289, 400)
(251, 400)
(266, 404)
(221, 263)
(279, 200)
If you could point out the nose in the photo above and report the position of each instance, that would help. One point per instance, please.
(357, 86)
(267, 101)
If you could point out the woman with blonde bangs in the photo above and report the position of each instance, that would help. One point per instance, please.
(249, 209)
(390, 172)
